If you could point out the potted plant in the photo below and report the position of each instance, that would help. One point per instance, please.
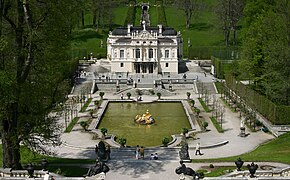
(101, 94)
(104, 131)
(184, 131)
(159, 95)
(97, 104)
(122, 141)
(129, 95)
(192, 102)
(165, 141)
(84, 125)
(197, 111)
(204, 125)
(92, 113)
(188, 95)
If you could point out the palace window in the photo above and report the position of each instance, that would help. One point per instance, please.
(166, 53)
(121, 53)
(137, 53)
(150, 53)
(166, 64)
(121, 64)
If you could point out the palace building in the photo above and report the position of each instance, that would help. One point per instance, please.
(144, 49)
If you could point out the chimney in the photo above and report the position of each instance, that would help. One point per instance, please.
(160, 29)
(129, 29)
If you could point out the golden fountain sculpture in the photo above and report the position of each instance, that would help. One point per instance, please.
(145, 118)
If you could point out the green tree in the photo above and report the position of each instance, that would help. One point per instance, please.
(190, 9)
(266, 51)
(33, 73)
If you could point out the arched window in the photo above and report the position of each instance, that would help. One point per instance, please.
(150, 53)
(137, 53)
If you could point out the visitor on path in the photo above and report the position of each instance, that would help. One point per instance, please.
(46, 176)
(155, 156)
(142, 152)
(137, 152)
(204, 74)
(152, 157)
(197, 149)
(122, 96)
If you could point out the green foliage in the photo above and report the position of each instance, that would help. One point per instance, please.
(151, 91)
(184, 131)
(97, 103)
(68, 171)
(86, 105)
(197, 111)
(129, 95)
(104, 131)
(276, 150)
(131, 14)
(159, 95)
(161, 15)
(101, 94)
(265, 49)
(192, 102)
(203, 105)
(84, 125)
(71, 125)
(216, 125)
(122, 141)
(165, 141)
(277, 114)
(188, 94)
(204, 124)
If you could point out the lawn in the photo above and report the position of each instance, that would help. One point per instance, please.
(276, 150)
(203, 30)
(153, 16)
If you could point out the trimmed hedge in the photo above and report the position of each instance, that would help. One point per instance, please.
(277, 114)
(205, 52)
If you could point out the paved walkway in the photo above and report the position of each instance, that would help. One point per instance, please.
(79, 144)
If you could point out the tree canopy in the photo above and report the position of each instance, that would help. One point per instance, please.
(34, 68)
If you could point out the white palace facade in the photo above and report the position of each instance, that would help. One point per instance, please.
(144, 49)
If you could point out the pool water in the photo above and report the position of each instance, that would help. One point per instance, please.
(119, 118)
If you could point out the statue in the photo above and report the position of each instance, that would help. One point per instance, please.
(98, 168)
(103, 154)
(183, 153)
(145, 118)
(185, 170)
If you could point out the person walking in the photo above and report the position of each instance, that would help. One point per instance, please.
(197, 149)
(142, 152)
(137, 152)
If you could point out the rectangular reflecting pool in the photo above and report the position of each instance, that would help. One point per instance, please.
(119, 118)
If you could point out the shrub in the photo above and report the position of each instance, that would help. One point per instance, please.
(92, 113)
(165, 141)
(129, 95)
(101, 94)
(159, 95)
(84, 125)
(184, 131)
(188, 95)
(197, 111)
(151, 91)
(139, 92)
(211, 166)
(192, 102)
(104, 131)
(205, 124)
(97, 104)
(122, 141)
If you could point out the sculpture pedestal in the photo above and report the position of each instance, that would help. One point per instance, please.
(243, 133)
